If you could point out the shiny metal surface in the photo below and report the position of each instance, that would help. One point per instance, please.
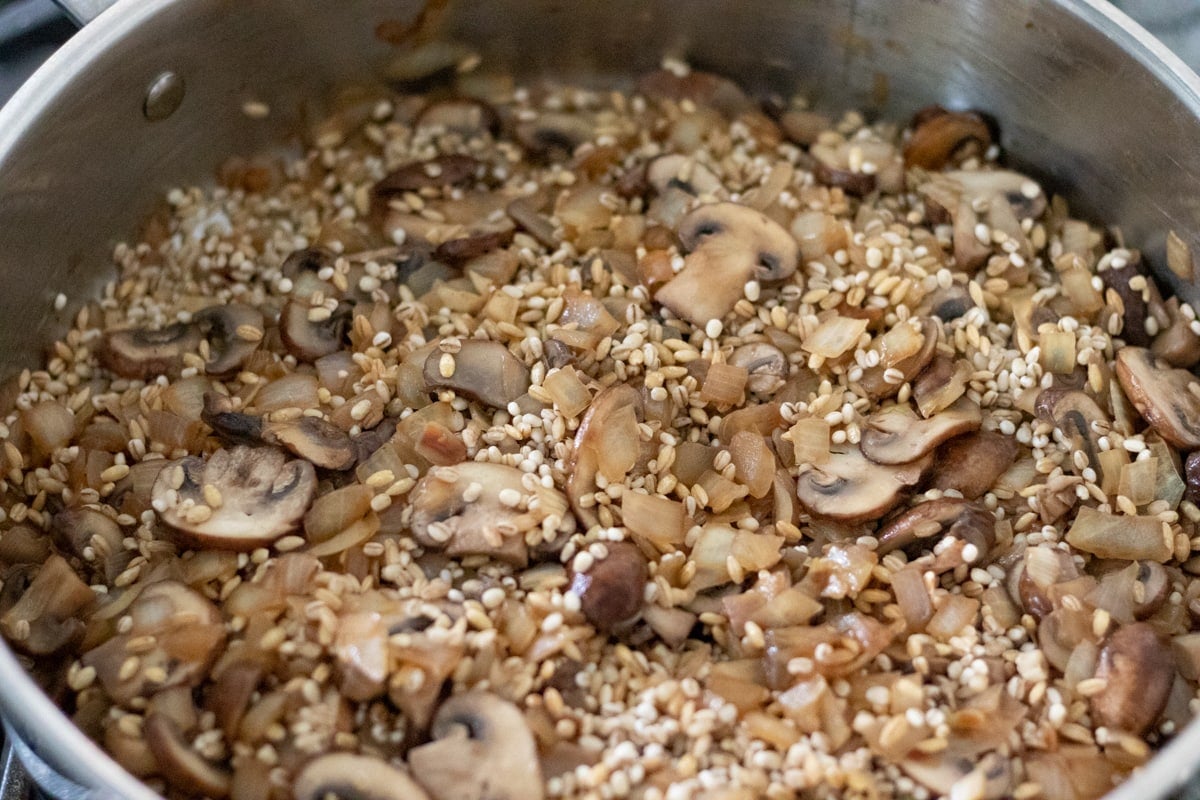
(1091, 103)
(84, 11)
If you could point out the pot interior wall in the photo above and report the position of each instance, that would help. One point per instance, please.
(80, 164)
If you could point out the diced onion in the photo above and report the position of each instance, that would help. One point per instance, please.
(835, 336)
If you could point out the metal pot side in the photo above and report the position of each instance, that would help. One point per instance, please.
(1093, 105)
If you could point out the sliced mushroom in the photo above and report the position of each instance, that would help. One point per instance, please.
(525, 214)
(232, 425)
(184, 768)
(477, 508)
(187, 635)
(482, 749)
(727, 245)
(447, 170)
(940, 384)
(145, 352)
(480, 370)
(858, 167)
(314, 439)
(1163, 395)
(851, 488)
(47, 616)
(676, 171)
(947, 304)
(347, 775)
(971, 464)
(306, 260)
(765, 364)
(553, 136)
(1138, 669)
(1151, 588)
(949, 517)
(93, 536)
(1137, 304)
(478, 239)
(874, 380)
(1178, 345)
(1072, 411)
(1024, 195)
(610, 592)
(466, 116)
(233, 332)
(896, 435)
(940, 136)
(310, 333)
(239, 498)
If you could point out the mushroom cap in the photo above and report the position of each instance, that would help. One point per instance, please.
(482, 749)
(184, 768)
(308, 340)
(1072, 411)
(482, 370)
(896, 435)
(851, 488)
(950, 516)
(971, 464)
(466, 116)
(313, 439)
(1139, 669)
(766, 366)
(1023, 194)
(494, 521)
(143, 352)
(220, 325)
(354, 776)
(873, 382)
(939, 135)
(681, 172)
(264, 495)
(728, 244)
(447, 170)
(1163, 395)
(610, 593)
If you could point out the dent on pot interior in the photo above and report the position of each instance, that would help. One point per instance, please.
(545, 442)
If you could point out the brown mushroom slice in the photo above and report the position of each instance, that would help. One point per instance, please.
(896, 435)
(466, 116)
(184, 769)
(611, 590)
(947, 517)
(765, 364)
(477, 508)
(875, 379)
(314, 439)
(1137, 668)
(1137, 304)
(1163, 395)
(940, 136)
(676, 171)
(234, 426)
(480, 370)
(187, 633)
(233, 332)
(91, 535)
(347, 775)
(310, 333)
(482, 749)
(971, 464)
(554, 136)
(47, 617)
(239, 498)
(851, 488)
(1024, 195)
(145, 352)
(447, 170)
(727, 245)
(1072, 411)
(845, 166)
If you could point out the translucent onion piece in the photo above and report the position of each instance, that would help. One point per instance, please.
(835, 336)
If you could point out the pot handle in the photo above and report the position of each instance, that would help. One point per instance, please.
(83, 11)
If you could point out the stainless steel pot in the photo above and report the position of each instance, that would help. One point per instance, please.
(149, 96)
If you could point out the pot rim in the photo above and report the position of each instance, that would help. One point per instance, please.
(65, 748)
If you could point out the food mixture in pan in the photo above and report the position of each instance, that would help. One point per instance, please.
(660, 445)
